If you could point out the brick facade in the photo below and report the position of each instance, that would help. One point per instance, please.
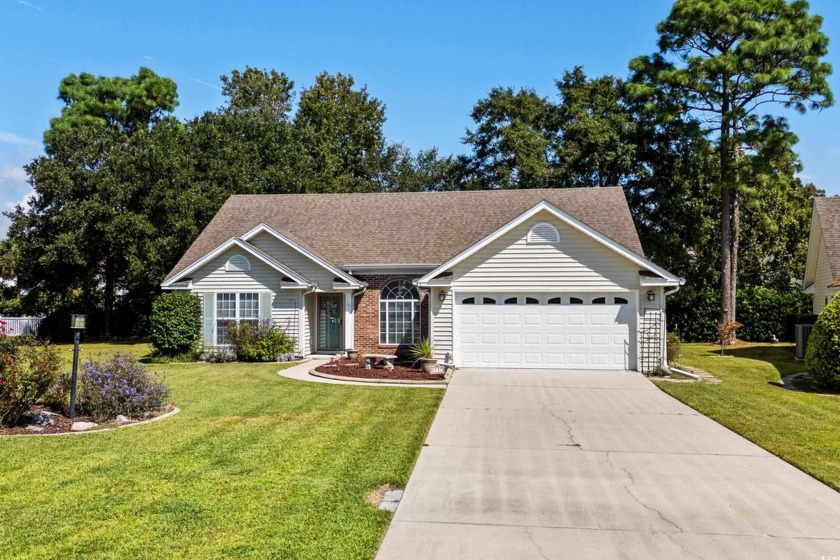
(367, 315)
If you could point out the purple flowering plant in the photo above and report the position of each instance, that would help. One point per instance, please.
(119, 384)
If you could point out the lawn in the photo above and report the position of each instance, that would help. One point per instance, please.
(801, 428)
(255, 466)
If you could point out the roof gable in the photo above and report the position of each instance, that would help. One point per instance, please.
(415, 228)
(248, 248)
(565, 218)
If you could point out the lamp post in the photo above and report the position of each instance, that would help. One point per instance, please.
(77, 323)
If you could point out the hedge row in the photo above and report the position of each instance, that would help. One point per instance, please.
(763, 312)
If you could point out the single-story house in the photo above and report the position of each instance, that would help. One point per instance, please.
(544, 278)
(822, 268)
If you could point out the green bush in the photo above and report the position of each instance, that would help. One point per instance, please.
(175, 323)
(260, 341)
(673, 347)
(762, 312)
(765, 313)
(822, 357)
(26, 374)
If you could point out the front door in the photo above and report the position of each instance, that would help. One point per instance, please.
(329, 322)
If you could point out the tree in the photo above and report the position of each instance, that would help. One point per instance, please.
(89, 220)
(260, 91)
(725, 60)
(513, 140)
(595, 124)
(116, 103)
(339, 129)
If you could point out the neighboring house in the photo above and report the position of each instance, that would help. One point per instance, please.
(822, 269)
(552, 278)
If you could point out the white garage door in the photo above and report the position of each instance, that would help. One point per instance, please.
(571, 331)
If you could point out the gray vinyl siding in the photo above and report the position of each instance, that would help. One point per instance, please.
(822, 279)
(576, 263)
(212, 277)
(294, 260)
(441, 323)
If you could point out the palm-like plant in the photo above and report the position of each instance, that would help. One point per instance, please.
(423, 349)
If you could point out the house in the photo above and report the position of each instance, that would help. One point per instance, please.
(551, 278)
(822, 268)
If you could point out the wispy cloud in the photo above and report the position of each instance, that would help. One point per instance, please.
(28, 4)
(202, 82)
(12, 174)
(147, 57)
(9, 138)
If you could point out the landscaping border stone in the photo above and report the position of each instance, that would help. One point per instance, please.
(173, 412)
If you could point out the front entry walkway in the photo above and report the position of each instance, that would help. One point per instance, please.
(565, 464)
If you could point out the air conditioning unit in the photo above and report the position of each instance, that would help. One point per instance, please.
(802, 334)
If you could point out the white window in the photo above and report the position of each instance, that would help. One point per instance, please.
(543, 233)
(235, 308)
(237, 263)
(399, 313)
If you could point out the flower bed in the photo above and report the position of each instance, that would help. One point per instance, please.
(61, 424)
(356, 368)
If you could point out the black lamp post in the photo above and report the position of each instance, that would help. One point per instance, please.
(77, 323)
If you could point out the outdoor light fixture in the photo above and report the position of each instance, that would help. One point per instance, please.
(441, 296)
(651, 295)
(78, 324)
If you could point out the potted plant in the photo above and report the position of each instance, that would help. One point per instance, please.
(423, 351)
(352, 354)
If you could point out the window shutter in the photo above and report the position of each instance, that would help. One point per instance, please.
(265, 306)
(209, 323)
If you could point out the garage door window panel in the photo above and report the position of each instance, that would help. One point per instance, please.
(399, 314)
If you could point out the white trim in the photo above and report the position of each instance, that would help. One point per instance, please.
(305, 252)
(245, 247)
(569, 220)
(236, 312)
(638, 322)
(455, 359)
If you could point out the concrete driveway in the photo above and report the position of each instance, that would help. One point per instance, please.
(580, 465)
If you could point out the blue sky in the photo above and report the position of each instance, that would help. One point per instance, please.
(428, 62)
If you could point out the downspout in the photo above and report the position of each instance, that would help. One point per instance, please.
(664, 366)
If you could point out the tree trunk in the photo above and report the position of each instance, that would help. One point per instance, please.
(109, 298)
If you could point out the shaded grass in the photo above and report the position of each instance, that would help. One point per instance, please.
(255, 466)
(801, 428)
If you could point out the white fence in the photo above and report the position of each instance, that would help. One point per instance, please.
(21, 326)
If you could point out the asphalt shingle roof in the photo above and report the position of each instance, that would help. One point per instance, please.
(405, 228)
(828, 210)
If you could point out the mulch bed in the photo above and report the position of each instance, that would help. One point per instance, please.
(62, 424)
(356, 368)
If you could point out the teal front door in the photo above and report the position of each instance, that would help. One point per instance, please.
(329, 322)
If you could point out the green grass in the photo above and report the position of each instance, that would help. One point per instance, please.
(255, 466)
(801, 428)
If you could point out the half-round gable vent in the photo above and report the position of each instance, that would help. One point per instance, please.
(237, 263)
(543, 233)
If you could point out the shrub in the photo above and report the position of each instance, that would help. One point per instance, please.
(175, 323)
(119, 384)
(822, 357)
(261, 341)
(673, 346)
(763, 312)
(26, 374)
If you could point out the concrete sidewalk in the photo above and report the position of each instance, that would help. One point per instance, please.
(580, 465)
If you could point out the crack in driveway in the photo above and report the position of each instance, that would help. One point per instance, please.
(566, 424)
(627, 489)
